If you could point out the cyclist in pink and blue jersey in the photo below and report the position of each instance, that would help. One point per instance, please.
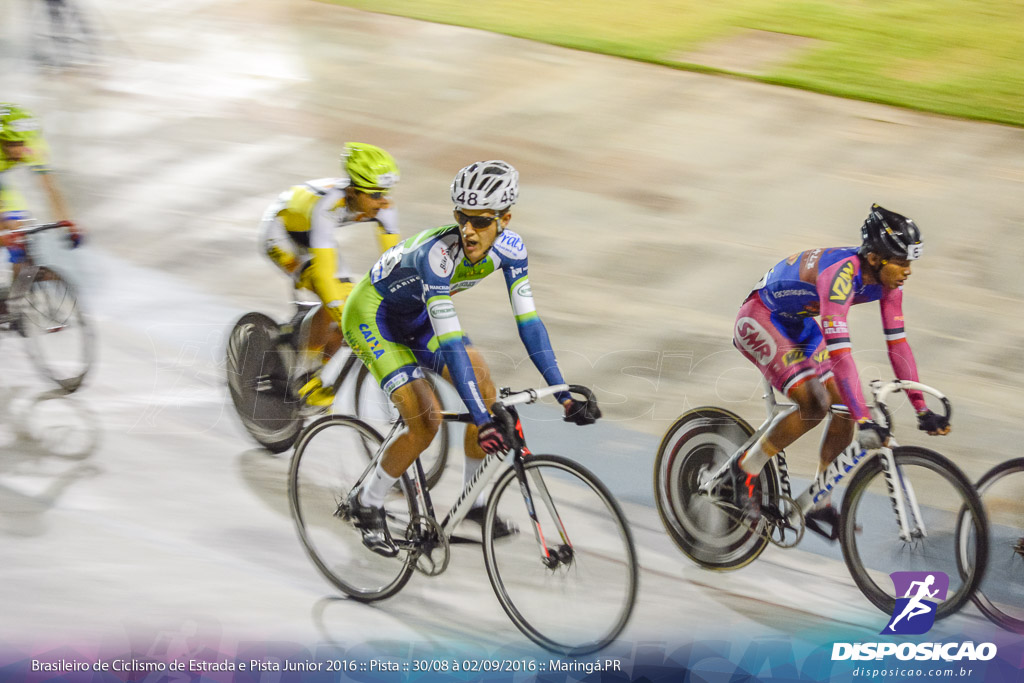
(813, 364)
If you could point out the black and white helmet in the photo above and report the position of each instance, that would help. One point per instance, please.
(486, 185)
(890, 235)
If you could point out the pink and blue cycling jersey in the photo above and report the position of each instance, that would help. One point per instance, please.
(777, 331)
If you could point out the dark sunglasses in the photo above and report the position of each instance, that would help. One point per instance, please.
(478, 222)
(379, 194)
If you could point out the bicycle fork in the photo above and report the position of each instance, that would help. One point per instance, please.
(904, 502)
(551, 557)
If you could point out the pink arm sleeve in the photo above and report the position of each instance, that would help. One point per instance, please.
(835, 292)
(900, 355)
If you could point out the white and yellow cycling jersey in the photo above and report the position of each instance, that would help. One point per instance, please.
(12, 204)
(298, 236)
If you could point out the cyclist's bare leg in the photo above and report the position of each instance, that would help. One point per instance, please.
(421, 412)
(813, 401)
(324, 334)
(487, 392)
(840, 429)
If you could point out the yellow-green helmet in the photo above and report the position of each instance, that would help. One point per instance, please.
(17, 124)
(369, 167)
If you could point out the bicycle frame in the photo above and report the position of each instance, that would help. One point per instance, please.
(492, 465)
(851, 459)
(29, 269)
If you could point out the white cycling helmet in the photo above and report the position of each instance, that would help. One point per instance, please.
(486, 185)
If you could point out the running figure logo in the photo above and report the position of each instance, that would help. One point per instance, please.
(914, 613)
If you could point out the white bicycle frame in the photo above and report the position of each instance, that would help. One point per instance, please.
(848, 461)
(492, 465)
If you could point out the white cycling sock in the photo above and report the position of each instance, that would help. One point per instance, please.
(376, 487)
(469, 471)
(755, 458)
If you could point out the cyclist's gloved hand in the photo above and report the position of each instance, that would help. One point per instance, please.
(871, 435)
(933, 423)
(74, 233)
(491, 438)
(581, 412)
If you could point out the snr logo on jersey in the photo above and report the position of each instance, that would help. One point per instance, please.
(755, 340)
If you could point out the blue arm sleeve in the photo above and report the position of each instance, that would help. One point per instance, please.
(436, 278)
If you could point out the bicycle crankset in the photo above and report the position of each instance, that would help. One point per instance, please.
(779, 524)
(425, 537)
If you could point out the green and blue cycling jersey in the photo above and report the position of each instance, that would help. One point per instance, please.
(401, 315)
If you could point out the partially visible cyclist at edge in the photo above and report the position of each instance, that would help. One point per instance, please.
(22, 144)
(400, 318)
(813, 365)
(298, 236)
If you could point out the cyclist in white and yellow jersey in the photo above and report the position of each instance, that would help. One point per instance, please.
(298, 236)
(22, 144)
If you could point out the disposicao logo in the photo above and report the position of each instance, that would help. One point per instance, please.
(914, 613)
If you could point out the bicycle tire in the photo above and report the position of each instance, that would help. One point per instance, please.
(607, 553)
(925, 554)
(435, 457)
(321, 474)
(696, 445)
(258, 382)
(48, 313)
(1002, 589)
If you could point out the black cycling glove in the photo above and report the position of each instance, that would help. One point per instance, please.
(582, 412)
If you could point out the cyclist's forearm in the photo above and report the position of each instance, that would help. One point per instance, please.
(460, 369)
(903, 365)
(57, 203)
(848, 382)
(535, 338)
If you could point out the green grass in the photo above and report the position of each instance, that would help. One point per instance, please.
(957, 57)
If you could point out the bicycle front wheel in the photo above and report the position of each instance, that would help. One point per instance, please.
(1001, 593)
(328, 462)
(934, 494)
(52, 323)
(578, 596)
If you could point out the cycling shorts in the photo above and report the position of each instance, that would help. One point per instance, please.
(788, 351)
(394, 346)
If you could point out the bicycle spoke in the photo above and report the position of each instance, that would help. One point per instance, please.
(1001, 594)
(579, 597)
(327, 464)
(931, 496)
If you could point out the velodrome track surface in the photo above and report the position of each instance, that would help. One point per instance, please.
(651, 200)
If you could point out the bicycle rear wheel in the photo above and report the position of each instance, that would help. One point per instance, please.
(582, 600)
(692, 451)
(258, 380)
(328, 462)
(59, 340)
(1001, 593)
(942, 494)
(373, 406)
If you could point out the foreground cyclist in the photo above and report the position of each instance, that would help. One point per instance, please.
(813, 365)
(298, 236)
(400, 318)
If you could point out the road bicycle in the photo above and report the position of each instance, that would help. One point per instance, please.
(43, 307)
(1001, 593)
(899, 513)
(267, 364)
(569, 586)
